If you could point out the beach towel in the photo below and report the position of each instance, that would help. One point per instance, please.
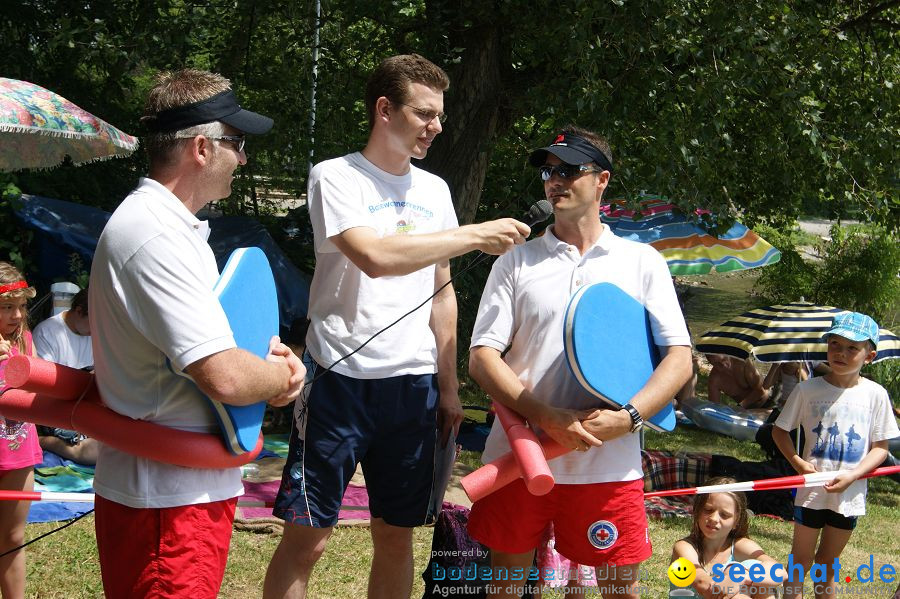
(56, 474)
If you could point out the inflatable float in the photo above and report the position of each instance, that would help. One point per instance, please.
(731, 421)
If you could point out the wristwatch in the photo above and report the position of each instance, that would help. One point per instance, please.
(636, 420)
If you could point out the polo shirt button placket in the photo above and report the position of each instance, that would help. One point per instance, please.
(575, 281)
(579, 280)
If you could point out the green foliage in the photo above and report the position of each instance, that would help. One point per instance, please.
(857, 271)
(78, 272)
(860, 271)
(13, 239)
(792, 277)
(887, 374)
(757, 106)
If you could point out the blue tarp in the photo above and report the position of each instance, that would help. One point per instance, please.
(63, 228)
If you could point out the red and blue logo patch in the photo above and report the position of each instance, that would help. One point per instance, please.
(603, 534)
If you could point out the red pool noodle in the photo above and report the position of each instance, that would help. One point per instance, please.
(527, 451)
(504, 470)
(46, 378)
(137, 437)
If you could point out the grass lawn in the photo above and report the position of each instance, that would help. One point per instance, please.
(65, 564)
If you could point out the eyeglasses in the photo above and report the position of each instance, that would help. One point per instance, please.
(427, 115)
(237, 140)
(566, 171)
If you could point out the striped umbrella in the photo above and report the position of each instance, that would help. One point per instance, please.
(688, 247)
(783, 333)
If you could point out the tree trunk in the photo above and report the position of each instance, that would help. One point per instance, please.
(461, 153)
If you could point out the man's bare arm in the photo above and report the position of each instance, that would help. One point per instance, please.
(499, 381)
(397, 255)
(669, 376)
(237, 377)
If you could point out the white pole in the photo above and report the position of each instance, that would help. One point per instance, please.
(315, 76)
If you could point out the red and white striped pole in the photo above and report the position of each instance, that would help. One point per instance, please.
(55, 497)
(816, 479)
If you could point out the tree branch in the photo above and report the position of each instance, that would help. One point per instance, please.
(867, 17)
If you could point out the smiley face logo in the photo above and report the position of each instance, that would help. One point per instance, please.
(682, 572)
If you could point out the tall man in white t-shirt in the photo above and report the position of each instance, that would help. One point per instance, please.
(164, 530)
(384, 234)
(597, 504)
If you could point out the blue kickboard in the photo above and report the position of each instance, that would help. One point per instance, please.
(610, 347)
(246, 290)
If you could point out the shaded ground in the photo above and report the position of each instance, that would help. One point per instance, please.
(711, 299)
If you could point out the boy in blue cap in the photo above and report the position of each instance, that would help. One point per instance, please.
(847, 422)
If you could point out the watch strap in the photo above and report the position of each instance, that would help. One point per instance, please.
(637, 421)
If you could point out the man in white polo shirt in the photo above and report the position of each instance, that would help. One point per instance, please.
(164, 530)
(596, 506)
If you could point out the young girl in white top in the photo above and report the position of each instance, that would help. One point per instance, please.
(717, 542)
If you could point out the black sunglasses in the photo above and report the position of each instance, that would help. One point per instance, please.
(566, 171)
(237, 140)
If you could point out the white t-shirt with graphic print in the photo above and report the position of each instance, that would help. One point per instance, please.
(839, 426)
(347, 307)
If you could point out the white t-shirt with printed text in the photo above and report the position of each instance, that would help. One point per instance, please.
(347, 307)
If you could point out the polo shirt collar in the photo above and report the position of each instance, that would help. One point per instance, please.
(603, 244)
(168, 201)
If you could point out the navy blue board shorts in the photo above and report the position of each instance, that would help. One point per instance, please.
(820, 518)
(388, 425)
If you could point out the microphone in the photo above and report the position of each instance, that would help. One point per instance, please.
(538, 213)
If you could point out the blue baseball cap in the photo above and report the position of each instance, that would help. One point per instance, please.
(854, 326)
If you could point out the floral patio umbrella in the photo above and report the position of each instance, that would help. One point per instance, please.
(39, 128)
(783, 333)
(688, 247)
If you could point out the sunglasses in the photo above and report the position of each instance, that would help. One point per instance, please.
(566, 171)
(237, 140)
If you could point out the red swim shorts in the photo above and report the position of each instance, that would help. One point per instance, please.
(163, 552)
(594, 524)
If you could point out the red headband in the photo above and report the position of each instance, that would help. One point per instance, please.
(13, 286)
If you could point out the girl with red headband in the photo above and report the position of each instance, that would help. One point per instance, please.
(19, 448)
